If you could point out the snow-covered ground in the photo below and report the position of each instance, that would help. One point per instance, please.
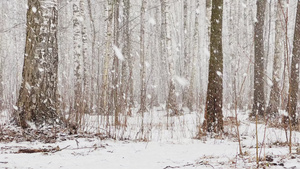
(162, 147)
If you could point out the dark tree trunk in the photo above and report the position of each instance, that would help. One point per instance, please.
(38, 93)
(1, 65)
(213, 112)
(1, 77)
(294, 78)
(259, 99)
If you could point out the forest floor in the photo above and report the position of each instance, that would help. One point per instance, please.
(163, 143)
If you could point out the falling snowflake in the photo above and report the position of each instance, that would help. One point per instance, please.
(152, 21)
(34, 9)
(118, 53)
(181, 80)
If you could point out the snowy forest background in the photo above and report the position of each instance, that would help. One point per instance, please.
(110, 61)
(139, 70)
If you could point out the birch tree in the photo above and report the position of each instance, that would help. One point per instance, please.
(107, 55)
(86, 60)
(78, 59)
(93, 54)
(191, 96)
(163, 52)
(171, 99)
(38, 93)
(142, 59)
(185, 50)
(128, 91)
(116, 63)
(274, 102)
(208, 19)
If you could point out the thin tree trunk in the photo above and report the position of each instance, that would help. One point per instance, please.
(104, 99)
(127, 53)
(142, 60)
(94, 64)
(286, 66)
(1, 75)
(208, 19)
(1, 63)
(163, 53)
(86, 62)
(294, 78)
(274, 102)
(231, 31)
(115, 70)
(78, 58)
(171, 100)
(259, 99)
(124, 99)
(191, 96)
(185, 52)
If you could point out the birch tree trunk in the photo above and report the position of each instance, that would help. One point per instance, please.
(185, 52)
(142, 59)
(107, 56)
(274, 102)
(86, 61)
(127, 53)
(286, 65)
(191, 96)
(163, 52)
(232, 48)
(78, 60)
(172, 107)
(208, 20)
(124, 64)
(115, 69)
(38, 93)
(94, 64)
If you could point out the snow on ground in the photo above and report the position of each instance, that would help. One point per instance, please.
(161, 148)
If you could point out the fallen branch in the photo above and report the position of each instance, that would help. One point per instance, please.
(60, 149)
(42, 150)
(190, 164)
(186, 165)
